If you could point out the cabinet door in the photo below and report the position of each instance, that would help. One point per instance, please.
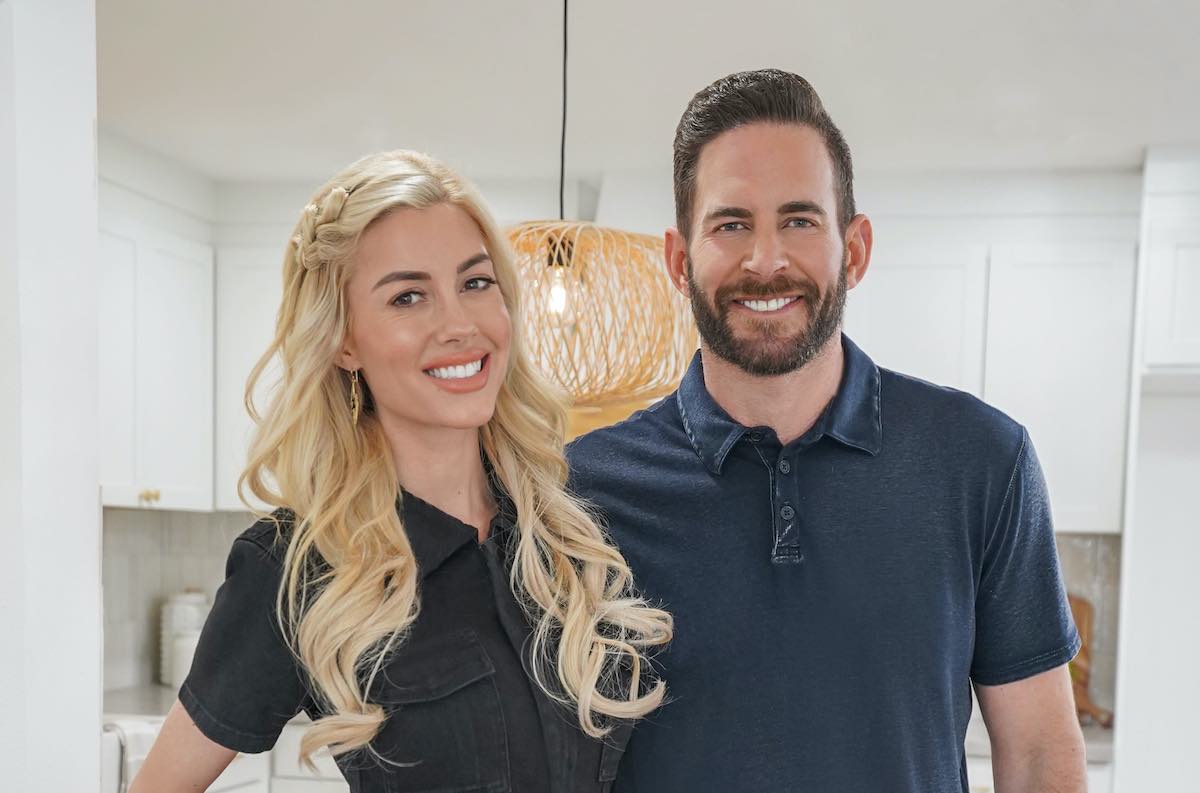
(155, 379)
(174, 318)
(1058, 345)
(1173, 292)
(921, 311)
(116, 374)
(249, 287)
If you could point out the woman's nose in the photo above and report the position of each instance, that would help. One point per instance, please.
(455, 321)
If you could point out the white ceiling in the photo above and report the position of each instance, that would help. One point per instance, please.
(293, 89)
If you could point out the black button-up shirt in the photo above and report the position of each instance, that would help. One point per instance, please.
(463, 713)
(834, 597)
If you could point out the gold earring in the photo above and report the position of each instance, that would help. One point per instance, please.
(355, 397)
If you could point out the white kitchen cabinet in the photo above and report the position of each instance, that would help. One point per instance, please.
(1060, 325)
(249, 287)
(155, 369)
(921, 310)
(1172, 256)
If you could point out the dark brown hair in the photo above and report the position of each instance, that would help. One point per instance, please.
(766, 95)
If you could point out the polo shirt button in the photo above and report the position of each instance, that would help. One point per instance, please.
(787, 513)
(785, 467)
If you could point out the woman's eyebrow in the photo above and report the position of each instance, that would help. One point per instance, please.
(421, 275)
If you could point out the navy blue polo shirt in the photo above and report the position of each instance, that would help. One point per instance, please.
(834, 598)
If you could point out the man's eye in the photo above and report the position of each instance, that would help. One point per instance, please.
(407, 298)
(799, 222)
(734, 225)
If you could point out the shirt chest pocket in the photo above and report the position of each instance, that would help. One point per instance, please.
(445, 729)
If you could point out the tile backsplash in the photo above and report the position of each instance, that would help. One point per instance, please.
(148, 555)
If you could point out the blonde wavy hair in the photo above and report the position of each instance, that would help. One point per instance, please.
(345, 613)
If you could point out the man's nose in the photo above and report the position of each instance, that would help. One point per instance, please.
(768, 255)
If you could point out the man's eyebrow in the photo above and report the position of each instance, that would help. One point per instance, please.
(801, 207)
(728, 212)
(421, 275)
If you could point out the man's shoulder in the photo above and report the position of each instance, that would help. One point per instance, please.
(646, 426)
(947, 415)
(606, 457)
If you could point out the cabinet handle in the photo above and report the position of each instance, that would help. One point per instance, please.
(149, 496)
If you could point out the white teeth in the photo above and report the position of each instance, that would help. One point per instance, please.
(457, 372)
(767, 305)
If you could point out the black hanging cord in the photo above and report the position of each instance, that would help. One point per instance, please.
(562, 147)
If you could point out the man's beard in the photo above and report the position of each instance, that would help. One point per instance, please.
(768, 353)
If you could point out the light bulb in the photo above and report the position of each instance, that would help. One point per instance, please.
(558, 298)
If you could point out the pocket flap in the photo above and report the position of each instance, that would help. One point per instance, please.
(431, 669)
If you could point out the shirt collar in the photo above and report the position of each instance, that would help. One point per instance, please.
(435, 536)
(852, 417)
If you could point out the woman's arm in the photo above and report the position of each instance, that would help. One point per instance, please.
(182, 760)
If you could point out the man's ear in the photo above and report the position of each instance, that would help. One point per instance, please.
(675, 256)
(859, 238)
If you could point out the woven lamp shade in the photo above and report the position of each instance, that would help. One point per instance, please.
(601, 317)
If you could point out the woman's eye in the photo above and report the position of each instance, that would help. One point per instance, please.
(480, 283)
(407, 298)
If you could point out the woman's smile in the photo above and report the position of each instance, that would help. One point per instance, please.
(461, 374)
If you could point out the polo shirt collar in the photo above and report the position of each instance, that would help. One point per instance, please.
(852, 418)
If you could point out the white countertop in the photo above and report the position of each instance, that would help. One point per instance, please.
(139, 701)
(157, 700)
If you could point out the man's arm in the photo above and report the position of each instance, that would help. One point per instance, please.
(1037, 746)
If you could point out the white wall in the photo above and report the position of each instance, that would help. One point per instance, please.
(263, 213)
(136, 183)
(49, 485)
(12, 587)
(977, 202)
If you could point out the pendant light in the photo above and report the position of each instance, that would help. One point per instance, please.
(601, 317)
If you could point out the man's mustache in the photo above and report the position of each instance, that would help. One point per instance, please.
(755, 288)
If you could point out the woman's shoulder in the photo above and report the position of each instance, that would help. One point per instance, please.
(271, 533)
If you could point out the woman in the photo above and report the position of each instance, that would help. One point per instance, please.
(426, 591)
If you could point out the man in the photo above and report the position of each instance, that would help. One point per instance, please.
(846, 550)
